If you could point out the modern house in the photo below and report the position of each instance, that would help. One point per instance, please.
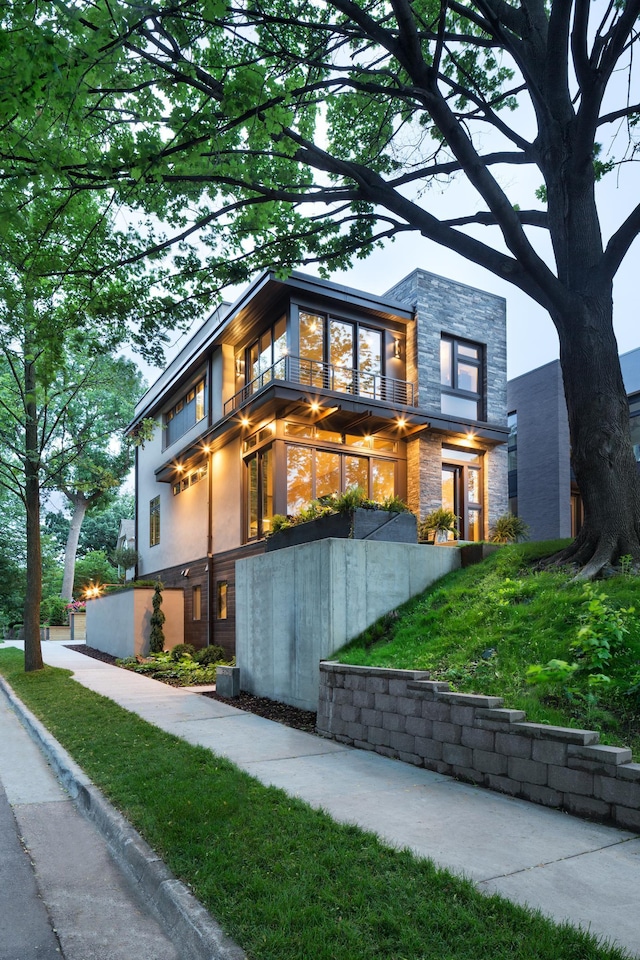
(542, 488)
(303, 388)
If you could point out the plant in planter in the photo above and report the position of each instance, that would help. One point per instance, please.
(437, 525)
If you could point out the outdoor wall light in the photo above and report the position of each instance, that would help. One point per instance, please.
(397, 349)
(239, 366)
(244, 421)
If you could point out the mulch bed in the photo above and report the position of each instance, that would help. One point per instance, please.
(261, 706)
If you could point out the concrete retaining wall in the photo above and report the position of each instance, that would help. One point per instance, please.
(119, 623)
(299, 605)
(402, 714)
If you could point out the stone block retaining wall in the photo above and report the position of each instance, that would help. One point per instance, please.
(402, 714)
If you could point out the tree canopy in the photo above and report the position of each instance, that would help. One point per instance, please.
(281, 132)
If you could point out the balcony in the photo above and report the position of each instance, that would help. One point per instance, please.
(316, 375)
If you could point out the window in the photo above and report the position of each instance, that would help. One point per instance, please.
(264, 356)
(154, 522)
(512, 460)
(221, 606)
(189, 410)
(259, 504)
(196, 600)
(462, 489)
(461, 378)
(313, 473)
(340, 355)
(194, 476)
(634, 410)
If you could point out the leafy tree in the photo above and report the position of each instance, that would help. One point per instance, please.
(96, 457)
(232, 122)
(94, 569)
(100, 528)
(60, 297)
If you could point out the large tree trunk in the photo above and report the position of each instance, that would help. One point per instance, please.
(80, 504)
(601, 451)
(32, 648)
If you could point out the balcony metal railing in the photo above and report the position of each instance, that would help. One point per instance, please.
(324, 376)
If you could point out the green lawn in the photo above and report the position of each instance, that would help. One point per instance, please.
(482, 627)
(284, 880)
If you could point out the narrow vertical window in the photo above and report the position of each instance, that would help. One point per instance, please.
(154, 522)
(222, 600)
(461, 378)
(197, 602)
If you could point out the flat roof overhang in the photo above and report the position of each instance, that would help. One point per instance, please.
(335, 411)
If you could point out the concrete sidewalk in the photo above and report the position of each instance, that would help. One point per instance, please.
(573, 870)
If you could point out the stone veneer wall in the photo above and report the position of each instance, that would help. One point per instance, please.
(402, 714)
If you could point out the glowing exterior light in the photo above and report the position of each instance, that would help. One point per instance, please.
(244, 421)
(315, 406)
(396, 349)
(402, 422)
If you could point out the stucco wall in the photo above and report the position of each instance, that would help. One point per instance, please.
(297, 606)
(119, 623)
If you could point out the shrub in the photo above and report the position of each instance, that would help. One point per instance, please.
(53, 611)
(209, 655)
(156, 637)
(183, 650)
(509, 529)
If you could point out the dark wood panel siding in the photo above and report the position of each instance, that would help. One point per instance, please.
(224, 568)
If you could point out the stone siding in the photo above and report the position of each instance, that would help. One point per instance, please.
(404, 715)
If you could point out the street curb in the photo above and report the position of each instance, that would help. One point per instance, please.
(187, 923)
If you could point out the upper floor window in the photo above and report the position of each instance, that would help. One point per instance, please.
(634, 411)
(154, 522)
(264, 353)
(461, 378)
(189, 410)
(341, 355)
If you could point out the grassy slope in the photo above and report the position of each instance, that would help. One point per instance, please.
(480, 628)
(284, 880)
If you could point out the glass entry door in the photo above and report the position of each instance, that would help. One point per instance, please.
(462, 491)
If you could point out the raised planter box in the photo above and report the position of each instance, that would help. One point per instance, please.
(360, 524)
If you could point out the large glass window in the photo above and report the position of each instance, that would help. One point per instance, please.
(461, 378)
(259, 503)
(313, 473)
(189, 410)
(299, 478)
(340, 355)
(154, 522)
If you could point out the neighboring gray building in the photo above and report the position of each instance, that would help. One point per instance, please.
(304, 388)
(542, 489)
